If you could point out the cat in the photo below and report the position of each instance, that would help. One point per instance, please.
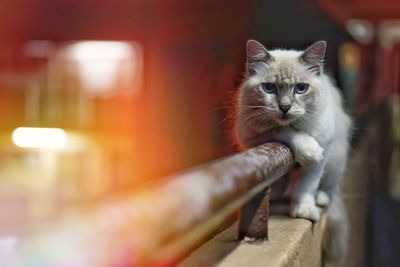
(287, 97)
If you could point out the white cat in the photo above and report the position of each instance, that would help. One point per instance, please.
(286, 97)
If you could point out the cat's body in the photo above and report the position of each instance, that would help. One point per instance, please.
(286, 97)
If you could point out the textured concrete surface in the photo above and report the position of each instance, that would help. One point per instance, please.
(292, 242)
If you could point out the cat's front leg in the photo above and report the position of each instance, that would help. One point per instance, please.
(306, 150)
(306, 210)
(303, 205)
(309, 154)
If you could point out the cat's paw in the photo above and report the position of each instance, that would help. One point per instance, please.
(308, 152)
(323, 199)
(306, 210)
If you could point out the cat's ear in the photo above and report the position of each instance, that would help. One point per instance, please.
(314, 56)
(256, 52)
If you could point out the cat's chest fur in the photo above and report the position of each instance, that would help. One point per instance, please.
(323, 129)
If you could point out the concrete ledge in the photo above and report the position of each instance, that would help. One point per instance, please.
(292, 242)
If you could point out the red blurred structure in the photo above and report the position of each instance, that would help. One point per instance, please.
(375, 25)
(193, 52)
(373, 10)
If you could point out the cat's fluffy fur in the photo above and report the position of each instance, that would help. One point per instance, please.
(273, 107)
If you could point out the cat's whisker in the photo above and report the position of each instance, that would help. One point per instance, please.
(257, 118)
(264, 119)
(238, 106)
(230, 116)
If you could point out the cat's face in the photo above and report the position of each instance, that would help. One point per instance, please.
(283, 84)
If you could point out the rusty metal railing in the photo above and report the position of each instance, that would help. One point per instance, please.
(158, 227)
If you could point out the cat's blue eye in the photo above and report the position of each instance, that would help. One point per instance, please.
(301, 88)
(269, 88)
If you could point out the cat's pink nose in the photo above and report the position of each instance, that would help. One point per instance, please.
(285, 108)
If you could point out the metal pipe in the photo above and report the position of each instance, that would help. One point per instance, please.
(253, 222)
(158, 226)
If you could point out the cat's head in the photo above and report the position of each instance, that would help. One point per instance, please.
(283, 85)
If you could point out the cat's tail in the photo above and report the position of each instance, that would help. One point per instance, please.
(336, 240)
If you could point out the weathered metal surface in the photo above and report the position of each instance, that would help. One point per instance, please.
(253, 221)
(160, 225)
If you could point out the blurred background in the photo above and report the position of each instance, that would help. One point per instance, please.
(100, 98)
